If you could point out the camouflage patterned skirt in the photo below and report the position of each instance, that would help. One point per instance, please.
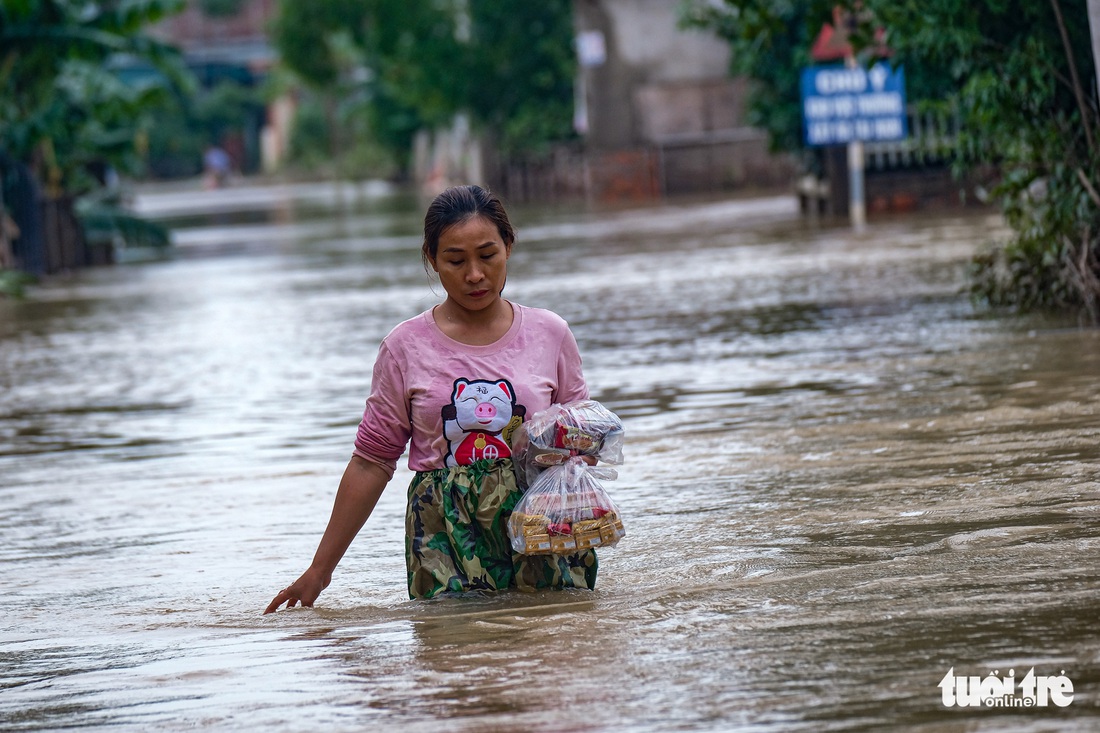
(456, 536)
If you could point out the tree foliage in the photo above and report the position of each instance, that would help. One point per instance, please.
(62, 106)
(221, 8)
(1022, 77)
(508, 65)
(521, 71)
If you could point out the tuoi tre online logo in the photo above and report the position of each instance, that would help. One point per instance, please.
(1004, 692)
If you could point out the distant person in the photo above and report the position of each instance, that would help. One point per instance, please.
(217, 165)
(457, 380)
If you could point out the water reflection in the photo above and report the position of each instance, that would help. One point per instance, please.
(841, 482)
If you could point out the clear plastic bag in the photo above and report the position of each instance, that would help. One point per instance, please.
(565, 510)
(552, 436)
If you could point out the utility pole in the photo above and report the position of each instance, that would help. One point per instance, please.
(857, 207)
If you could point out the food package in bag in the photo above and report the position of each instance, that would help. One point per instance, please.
(564, 511)
(554, 435)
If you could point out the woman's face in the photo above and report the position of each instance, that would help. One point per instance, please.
(472, 263)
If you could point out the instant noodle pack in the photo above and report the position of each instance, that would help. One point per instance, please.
(565, 507)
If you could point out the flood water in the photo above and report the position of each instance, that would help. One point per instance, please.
(841, 482)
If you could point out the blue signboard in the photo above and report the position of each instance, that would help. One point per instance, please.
(842, 105)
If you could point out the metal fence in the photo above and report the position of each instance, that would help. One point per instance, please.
(691, 164)
(932, 141)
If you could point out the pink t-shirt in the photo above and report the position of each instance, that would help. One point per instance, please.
(460, 403)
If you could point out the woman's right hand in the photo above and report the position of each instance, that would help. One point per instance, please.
(360, 487)
(304, 590)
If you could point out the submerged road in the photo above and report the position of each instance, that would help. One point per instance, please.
(846, 491)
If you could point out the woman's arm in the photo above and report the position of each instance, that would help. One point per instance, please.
(360, 487)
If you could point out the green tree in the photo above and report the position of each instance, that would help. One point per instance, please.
(62, 106)
(521, 72)
(1025, 74)
(508, 65)
(380, 54)
(1021, 75)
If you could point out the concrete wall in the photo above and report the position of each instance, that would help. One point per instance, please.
(670, 110)
(660, 113)
(648, 39)
(658, 80)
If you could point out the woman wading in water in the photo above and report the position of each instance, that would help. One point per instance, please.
(453, 384)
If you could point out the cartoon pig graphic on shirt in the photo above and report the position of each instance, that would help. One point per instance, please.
(479, 420)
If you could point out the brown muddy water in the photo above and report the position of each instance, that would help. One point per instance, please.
(844, 486)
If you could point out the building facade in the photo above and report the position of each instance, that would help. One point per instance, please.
(656, 104)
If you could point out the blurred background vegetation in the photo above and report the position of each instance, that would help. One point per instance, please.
(64, 109)
(90, 93)
(375, 72)
(87, 86)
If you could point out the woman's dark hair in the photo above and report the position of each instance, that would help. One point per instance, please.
(458, 204)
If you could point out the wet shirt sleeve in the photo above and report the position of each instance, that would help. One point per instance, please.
(385, 428)
(570, 378)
